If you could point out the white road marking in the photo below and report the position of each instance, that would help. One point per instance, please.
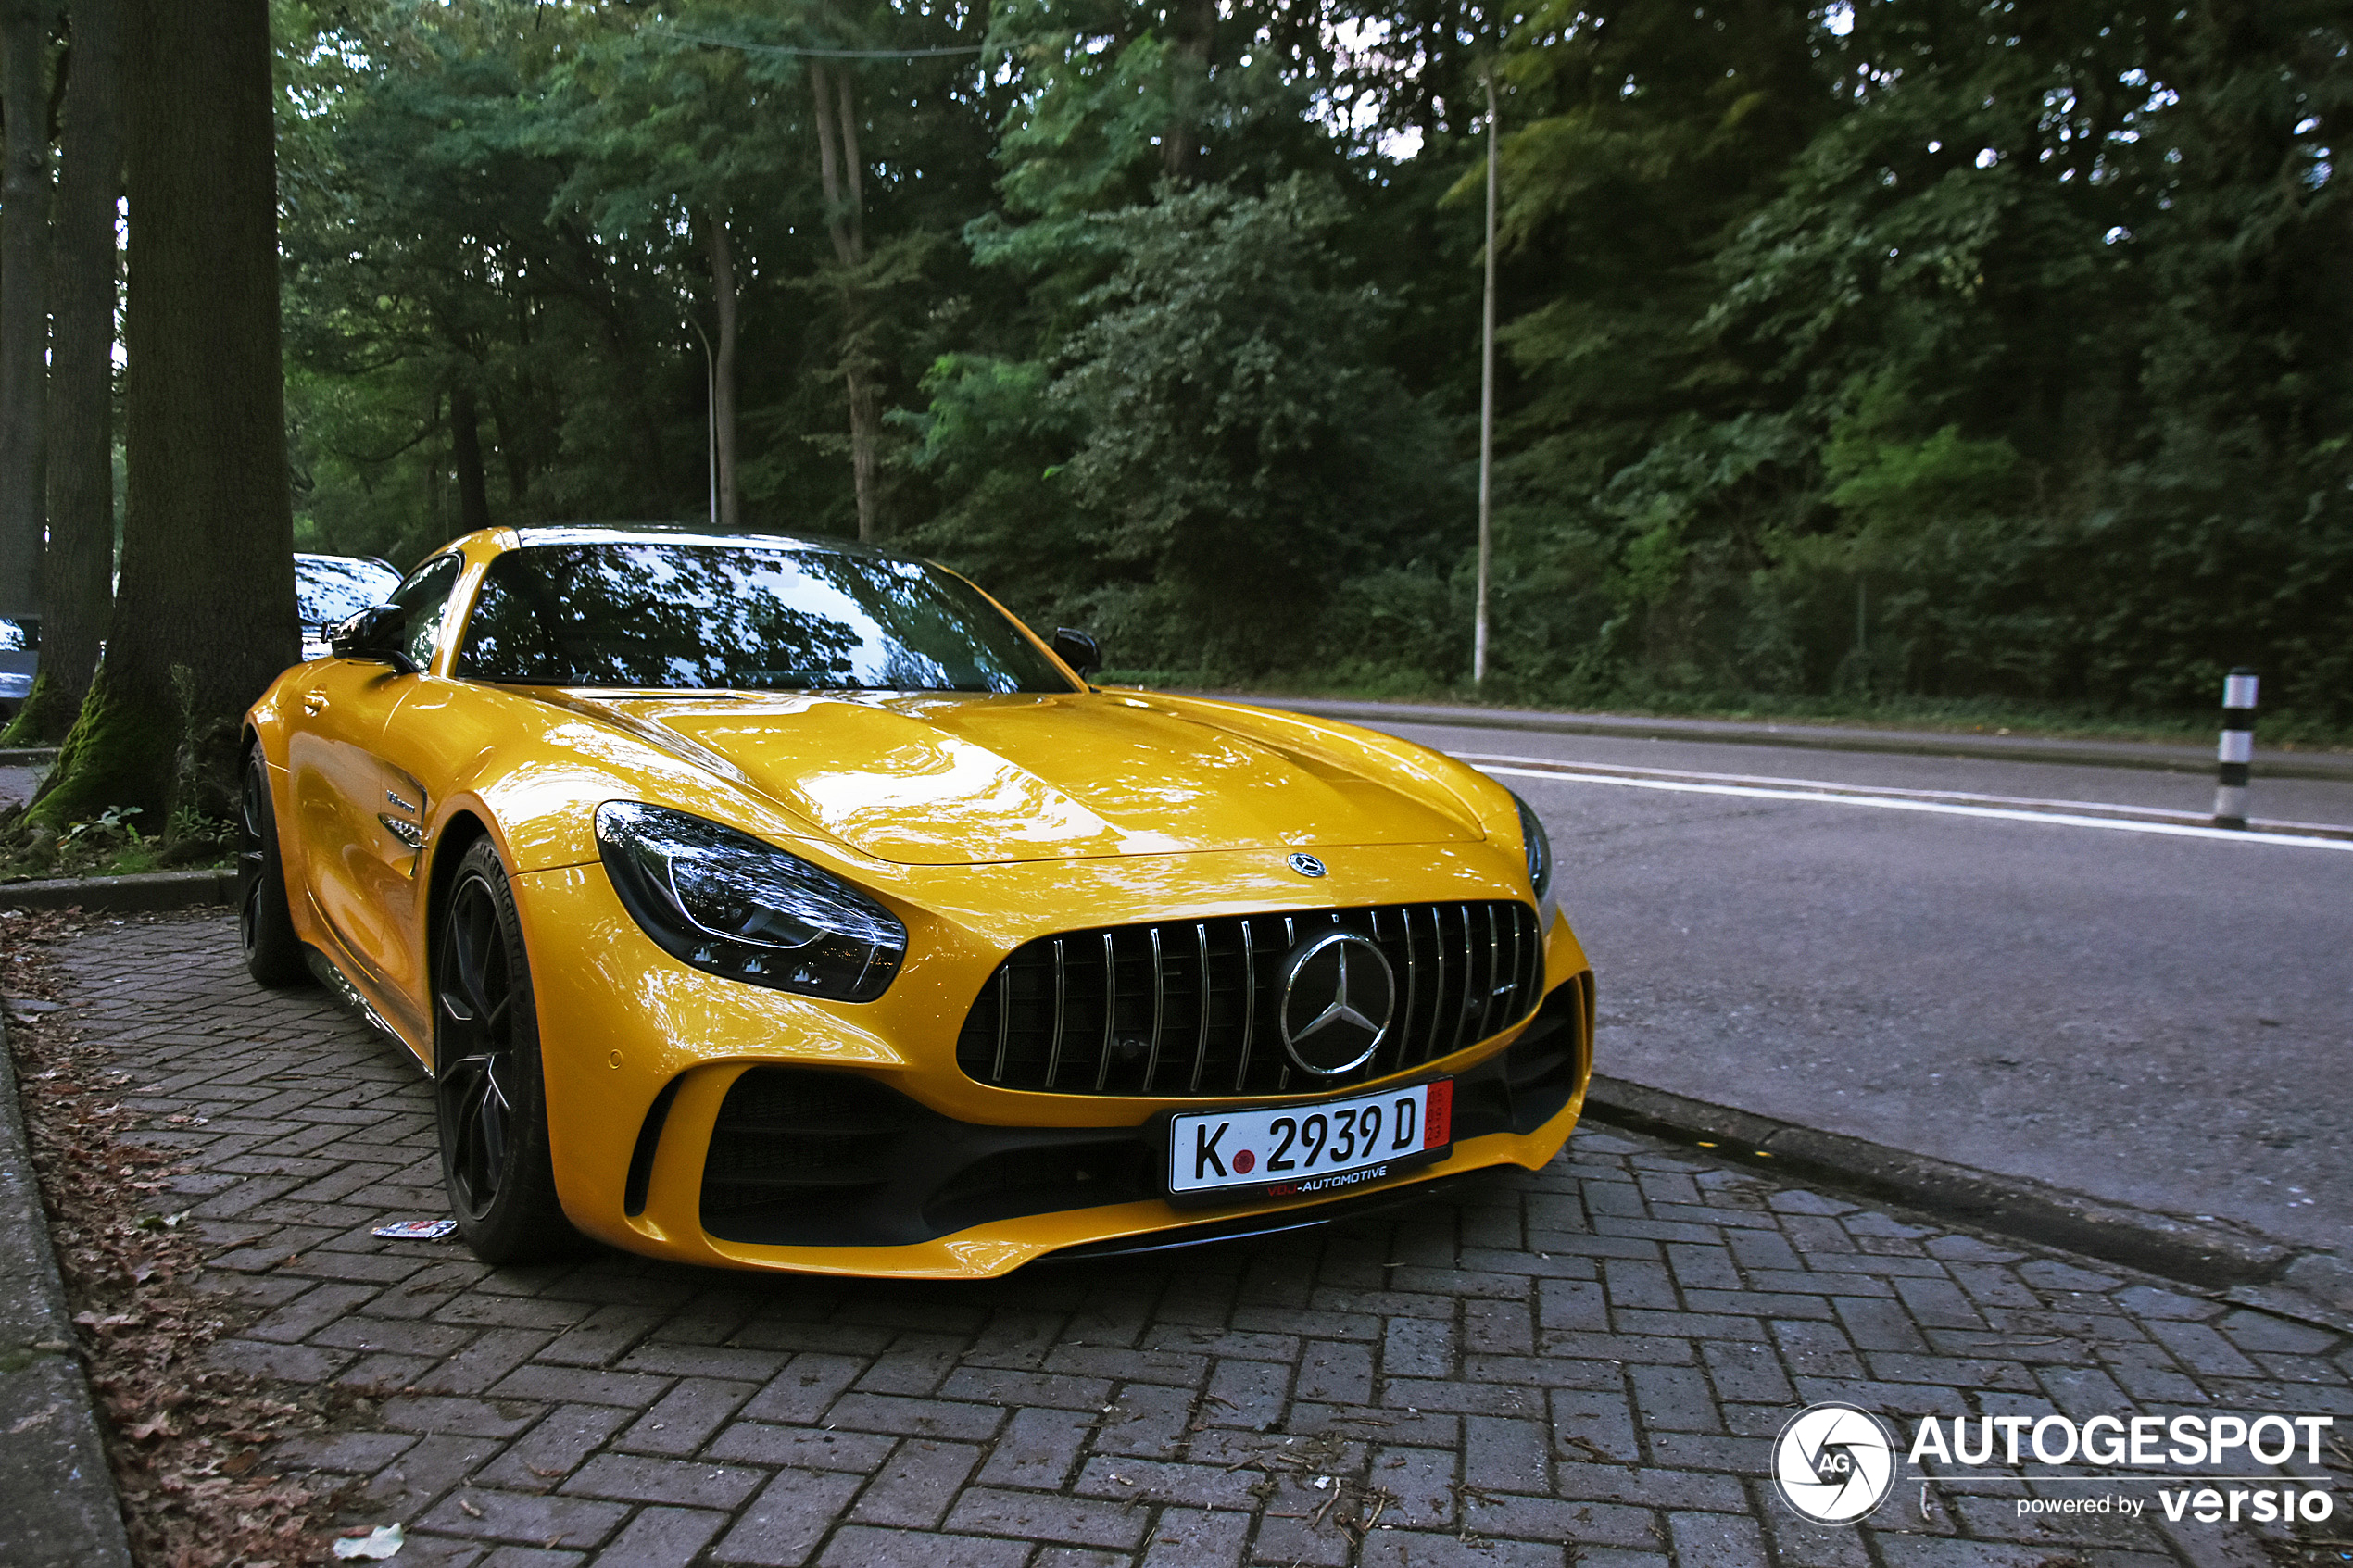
(1952, 796)
(1941, 807)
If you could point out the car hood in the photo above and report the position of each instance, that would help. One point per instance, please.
(937, 779)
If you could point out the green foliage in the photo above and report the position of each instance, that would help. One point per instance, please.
(1922, 352)
(1212, 446)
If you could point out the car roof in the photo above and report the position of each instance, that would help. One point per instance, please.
(316, 557)
(693, 533)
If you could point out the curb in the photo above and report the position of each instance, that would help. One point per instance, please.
(2241, 1268)
(28, 756)
(147, 892)
(2143, 754)
(58, 1502)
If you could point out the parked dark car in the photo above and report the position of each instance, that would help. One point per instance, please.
(328, 590)
(331, 589)
(19, 658)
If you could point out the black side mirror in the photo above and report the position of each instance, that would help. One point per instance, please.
(1080, 651)
(374, 634)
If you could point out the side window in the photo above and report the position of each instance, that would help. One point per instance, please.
(423, 598)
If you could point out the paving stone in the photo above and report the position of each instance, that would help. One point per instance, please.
(663, 1538)
(784, 1523)
(1147, 1421)
(637, 1478)
(1039, 1516)
(681, 1420)
(539, 1521)
(921, 1418)
(542, 1457)
(917, 1488)
(1036, 1450)
(1190, 1537)
(861, 1546)
(1597, 1354)
(472, 1418)
(752, 1442)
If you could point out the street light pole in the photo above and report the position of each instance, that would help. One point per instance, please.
(1486, 405)
(711, 416)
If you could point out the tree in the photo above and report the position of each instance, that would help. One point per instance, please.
(204, 617)
(77, 578)
(24, 296)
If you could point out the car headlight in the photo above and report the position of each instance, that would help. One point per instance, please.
(1540, 858)
(723, 902)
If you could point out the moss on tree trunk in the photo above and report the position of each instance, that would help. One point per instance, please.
(123, 750)
(48, 713)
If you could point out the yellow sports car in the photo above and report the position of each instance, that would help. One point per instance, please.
(777, 903)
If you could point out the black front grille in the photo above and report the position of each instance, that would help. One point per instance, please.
(1192, 1007)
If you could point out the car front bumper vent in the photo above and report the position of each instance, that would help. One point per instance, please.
(1192, 1008)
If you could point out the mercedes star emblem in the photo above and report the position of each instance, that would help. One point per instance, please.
(1307, 865)
(1338, 995)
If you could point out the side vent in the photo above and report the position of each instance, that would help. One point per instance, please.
(641, 1159)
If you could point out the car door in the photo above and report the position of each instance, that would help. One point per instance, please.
(360, 816)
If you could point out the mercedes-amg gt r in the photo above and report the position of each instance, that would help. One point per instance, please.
(777, 903)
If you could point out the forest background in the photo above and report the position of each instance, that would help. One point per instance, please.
(1906, 352)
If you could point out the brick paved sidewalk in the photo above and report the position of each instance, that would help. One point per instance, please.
(1597, 1354)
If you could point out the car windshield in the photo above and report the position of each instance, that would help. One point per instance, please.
(334, 588)
(740, 617)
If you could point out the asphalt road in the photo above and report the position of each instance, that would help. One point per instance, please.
(2158, 1021)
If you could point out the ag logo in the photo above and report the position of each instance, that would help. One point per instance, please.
(1834, 1462)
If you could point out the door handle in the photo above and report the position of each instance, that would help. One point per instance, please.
(314, 703)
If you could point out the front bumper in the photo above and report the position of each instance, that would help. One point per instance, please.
(724, 1125)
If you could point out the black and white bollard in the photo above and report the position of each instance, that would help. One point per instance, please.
(2237, 749)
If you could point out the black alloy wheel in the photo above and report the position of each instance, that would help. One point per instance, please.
(265, 928)
(488, 1097)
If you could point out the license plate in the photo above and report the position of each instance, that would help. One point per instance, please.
(1297, 1151)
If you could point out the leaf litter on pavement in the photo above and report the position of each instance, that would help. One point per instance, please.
(187, 1439)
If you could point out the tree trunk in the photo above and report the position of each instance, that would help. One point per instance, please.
(723, 374)
(204, 617)
(840, 175)
(77, 579)
(510, 451)
(24, 296)
(465, 456)
(1195, 29)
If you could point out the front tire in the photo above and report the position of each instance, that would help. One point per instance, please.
(489, 1096)
(265, 926)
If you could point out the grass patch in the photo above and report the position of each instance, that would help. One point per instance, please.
(107, 845)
